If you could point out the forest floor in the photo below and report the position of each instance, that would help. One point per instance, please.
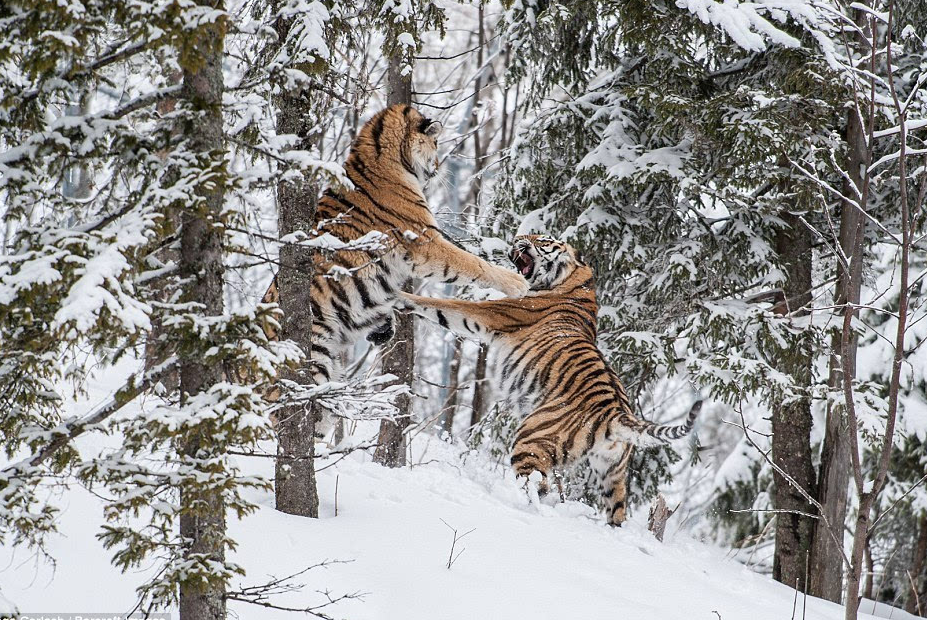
(391, 541)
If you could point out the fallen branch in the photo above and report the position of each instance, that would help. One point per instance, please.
(260, 595)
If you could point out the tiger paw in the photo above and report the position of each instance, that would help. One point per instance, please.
(510, 283)
(381, 335)
(536, 487)
(406, 301)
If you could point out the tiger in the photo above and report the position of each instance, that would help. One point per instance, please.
(353, 291)
(543, 348)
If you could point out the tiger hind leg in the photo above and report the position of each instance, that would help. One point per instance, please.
(611, 469)
(322, 366)
(534, 462)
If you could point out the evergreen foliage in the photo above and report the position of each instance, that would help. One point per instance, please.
(84, 280)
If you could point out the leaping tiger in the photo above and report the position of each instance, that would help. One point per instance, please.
(551, 371)
(392, 157)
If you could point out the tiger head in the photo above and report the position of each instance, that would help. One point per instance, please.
(544, 261)
(401, 137)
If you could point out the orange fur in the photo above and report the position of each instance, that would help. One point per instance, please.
(552, 372)
(392, 157)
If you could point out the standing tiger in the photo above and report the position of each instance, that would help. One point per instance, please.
(547, 363)
(353, 291)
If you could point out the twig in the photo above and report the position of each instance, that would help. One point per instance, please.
(260, 595)
(895, 503)
(795, 600)
(804, 600)
(804, 493)
(451, 558)
(917, 599)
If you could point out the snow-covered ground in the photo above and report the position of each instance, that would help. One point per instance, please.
(519, 561)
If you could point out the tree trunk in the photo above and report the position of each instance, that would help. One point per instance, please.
(202, 518)
(917, 569)
(479, 384)
(77, 180)
(449, 409)
(391, 448)
(157, 350)
(791, 421)
(857, 556)
(868, 496)
(834, 475)
(479, 387)
(295, 488)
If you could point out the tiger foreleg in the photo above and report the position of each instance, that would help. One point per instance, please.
(434, 257)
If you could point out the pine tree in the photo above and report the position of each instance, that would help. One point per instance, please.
(201, 266)
(403, 24)
(92, 275)
(659, 143)
(300, 63)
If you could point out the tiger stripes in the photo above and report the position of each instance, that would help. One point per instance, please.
(353, 291)
(548, 365)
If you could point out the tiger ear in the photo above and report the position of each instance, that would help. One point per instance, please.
(579, 259)
(433, 129)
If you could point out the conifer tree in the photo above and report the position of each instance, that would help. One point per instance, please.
(403, 24)
(298, 65)
(91, 275)
(670, 166)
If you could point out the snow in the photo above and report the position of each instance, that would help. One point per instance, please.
(406, 40)
(522, 560)
(881, 610)
(742, 20)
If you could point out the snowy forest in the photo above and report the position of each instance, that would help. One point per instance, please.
(182, 437)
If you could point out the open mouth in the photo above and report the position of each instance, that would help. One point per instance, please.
(523, 262)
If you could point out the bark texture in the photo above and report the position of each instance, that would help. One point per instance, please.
(449, 410)
(791, 421)
(295, 488)
(202, 520)
(916, 603)
(157, 349)
(399, 361)
(479, 387)
(834, 475)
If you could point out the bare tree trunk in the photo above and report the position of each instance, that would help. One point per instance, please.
(400, 360)
(295, 488)
(857, 556)
(294, 473)
(78, 178)
(791, 421)
(868, 488)
(479, 387)
(202, 519)
(834, 475)
(917, 569)
(449, 410)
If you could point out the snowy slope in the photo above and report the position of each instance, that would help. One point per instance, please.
(520, 561)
